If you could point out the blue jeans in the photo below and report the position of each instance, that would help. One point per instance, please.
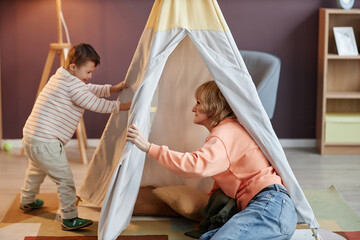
(269, 215)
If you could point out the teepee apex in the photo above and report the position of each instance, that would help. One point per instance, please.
(189, 14)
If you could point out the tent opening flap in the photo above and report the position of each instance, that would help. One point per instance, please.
(172, 117)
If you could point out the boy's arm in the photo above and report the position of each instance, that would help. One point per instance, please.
(118, 87)
(107, 89)
(100, 90)
(83, 97)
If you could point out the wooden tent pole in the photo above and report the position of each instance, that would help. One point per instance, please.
(59, 26)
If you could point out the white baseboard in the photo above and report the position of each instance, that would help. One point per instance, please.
(285, 143)
(93, 142)
(16, 143)
(297, 143)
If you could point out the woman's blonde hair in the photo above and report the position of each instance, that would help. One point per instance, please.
(213, 102)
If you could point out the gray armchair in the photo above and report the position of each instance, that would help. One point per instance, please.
(264, 69)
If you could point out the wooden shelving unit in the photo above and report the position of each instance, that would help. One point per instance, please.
(338, 77)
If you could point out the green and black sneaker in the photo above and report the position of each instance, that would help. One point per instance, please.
(34, 205)
(75, 223)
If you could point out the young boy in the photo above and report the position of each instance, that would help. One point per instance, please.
(52, 123)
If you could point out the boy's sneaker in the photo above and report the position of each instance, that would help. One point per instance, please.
(75, 223)
(34, 205)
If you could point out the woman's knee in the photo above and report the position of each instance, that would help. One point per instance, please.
(208, 235)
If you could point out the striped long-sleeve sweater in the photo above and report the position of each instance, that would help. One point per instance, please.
(61, 104)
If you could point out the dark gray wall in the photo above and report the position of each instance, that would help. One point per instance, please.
(285, 28)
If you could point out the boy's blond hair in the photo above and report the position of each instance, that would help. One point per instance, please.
(213, 102)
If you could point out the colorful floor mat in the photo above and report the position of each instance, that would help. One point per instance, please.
(350, 235)
(331, 210)
(144, 237)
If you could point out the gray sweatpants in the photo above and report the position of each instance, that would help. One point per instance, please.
(49, 159)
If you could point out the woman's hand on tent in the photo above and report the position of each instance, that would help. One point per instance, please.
(118, 87)
(135, 136)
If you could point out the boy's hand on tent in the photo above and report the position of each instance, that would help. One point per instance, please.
(135, 136)
(125, 106)
(118, 87)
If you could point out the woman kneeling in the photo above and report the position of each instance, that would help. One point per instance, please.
(237, 165)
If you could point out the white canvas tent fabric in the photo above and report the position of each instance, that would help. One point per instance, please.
(184, 43)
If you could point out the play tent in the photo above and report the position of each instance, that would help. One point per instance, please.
(184, 43)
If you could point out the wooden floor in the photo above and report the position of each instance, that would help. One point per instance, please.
(311, 169)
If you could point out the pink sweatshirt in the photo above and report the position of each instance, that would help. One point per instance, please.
(230, 156)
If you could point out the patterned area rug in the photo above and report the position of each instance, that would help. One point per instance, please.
(349, 235)
(144, 237)
(332, 211)
(337, 220)
(45, 222)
